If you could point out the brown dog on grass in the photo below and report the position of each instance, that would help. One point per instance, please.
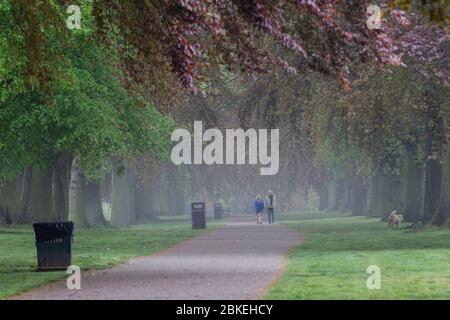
(394, 219)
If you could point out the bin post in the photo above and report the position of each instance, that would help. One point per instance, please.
(198, 215)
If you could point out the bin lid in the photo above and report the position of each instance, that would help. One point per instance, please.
(45, 231)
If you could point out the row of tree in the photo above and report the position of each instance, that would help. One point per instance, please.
(63, 137)
(86, 115)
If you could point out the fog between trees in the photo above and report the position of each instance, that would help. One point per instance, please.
(86, 119)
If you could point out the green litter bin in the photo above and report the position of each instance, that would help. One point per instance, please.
(53, 245)
(198, 211)
(218, 211)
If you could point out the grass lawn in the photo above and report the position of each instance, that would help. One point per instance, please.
(332, 262)
(96, 248)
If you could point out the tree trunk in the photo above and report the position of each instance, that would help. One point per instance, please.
(345, 206)
(93, 204)
(41, 202)
(156, 191)
(442, 214)
(163, 193)
(141, 208)
(121, 214)
(433, 166)
(131, 178)
(433, 183)
(340, 189)
(332, 204)
(179, 195)
(304, 194)
(172, 186)
(145, 210)
(25, 194)
(77, 209)
(10, 200)
(415, 191)
(151, 203)
(323, 197)
(375, 199)
(106, 187)
(61, 182)
(359, 197)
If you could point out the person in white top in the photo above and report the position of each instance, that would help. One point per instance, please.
(270, 204)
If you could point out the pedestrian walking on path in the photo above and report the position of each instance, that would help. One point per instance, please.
(259, 207)
(271, 202)
(209, 266)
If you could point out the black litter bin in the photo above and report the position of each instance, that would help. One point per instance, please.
(198, 210)
(218, 211)
(53, 245)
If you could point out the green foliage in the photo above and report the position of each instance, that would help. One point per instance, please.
(86, 111)
(32, 37)
(393, 156)
(11, 58)
(369, 129)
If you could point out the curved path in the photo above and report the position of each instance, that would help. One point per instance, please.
(237, 261)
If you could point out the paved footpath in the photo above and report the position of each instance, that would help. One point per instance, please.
(238, 261)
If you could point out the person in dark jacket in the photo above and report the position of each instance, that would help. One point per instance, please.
(271, 202)
(259, 207)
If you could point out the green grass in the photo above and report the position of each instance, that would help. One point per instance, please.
(96, 248)
(332, 262)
